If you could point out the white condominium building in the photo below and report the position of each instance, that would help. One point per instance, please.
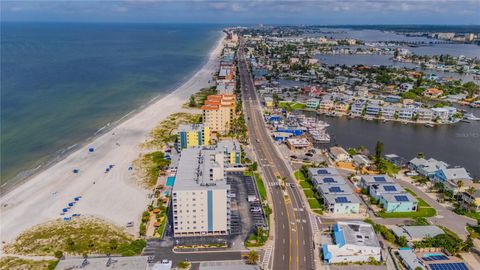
(200, 196)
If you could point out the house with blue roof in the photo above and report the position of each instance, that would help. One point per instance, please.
(377, 190)
(451, 177)
(398, 202)
(355, 241)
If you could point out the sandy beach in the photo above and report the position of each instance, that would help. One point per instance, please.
(112, 196)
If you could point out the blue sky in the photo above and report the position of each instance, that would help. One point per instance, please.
(248, 11)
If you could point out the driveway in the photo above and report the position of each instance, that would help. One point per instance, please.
(445, 217)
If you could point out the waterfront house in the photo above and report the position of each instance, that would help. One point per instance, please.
(361, 91)
(453, 179)
(322, 172)
(396, 160)
(338, 154)
(295, 144)
(355, 241)
(470, 201)
(405, 87)
(341, 204)
(433, 92)
(424, 115)
(392, 99)
(388, 112)
(398, 202)
(440, 114)
(378, 190)
(406, 113)
(341, 108)
(357, 108)
(313, 103)
(416, 233)
(358, 160)
(281, 136)
(268, 102)
(426, 167)
(373, 109)
(326, 105)
(367, 180)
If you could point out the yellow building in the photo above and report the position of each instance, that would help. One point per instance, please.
(218, 112)
(193, 135)
(341, 108)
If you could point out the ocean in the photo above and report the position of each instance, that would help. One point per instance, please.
(63, 83)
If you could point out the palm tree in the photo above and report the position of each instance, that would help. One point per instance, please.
(471, 190)
(252, 257)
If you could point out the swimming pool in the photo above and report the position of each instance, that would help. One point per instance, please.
(170, 181)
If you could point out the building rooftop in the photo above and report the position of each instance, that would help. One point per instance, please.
(341, 198)
(328, 180)
(399, 197)
(197, 167)
(190, 127)
(377, 179)
(323, 171)
(416, 232)
(335, 189)
(355, 233)
(387, 188)
(456, 173)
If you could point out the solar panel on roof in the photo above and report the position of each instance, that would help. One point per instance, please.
(341, 200)
(401, 198)
(435, 257)
(379, 179)
(328, 180)
(448, 266)
(335, 189)
(322, 171)
(390, 188)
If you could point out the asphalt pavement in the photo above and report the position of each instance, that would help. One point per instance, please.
(293, 236)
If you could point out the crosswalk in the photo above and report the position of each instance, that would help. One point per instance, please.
(314, 222)
(266, 257)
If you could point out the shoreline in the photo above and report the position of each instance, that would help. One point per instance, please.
(25, 175)
(41, 196)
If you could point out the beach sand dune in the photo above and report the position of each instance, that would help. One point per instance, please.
(115, 197)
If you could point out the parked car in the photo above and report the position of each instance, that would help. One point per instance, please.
(411, 173)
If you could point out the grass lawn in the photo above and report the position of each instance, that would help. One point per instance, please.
(305, 184)
(424, 209)
(13, 263)
(474, 215)
(75, 237)
(314, 204)
(318, 211)
(300, 177)
(261, 187)
(309, 193)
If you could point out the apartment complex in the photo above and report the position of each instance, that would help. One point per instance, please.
(218, 112)
(193, 135)
(200, 196)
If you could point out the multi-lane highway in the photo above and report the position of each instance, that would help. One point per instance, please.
(293, 236)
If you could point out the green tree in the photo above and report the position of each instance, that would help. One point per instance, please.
(192, 102)
(402, 241)
(252, 257)
(378, 152)
(58, 254)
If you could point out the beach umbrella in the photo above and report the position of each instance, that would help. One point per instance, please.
(65, 209)
(77, 199)
(75, 170)
(110, 166)
(130, 168)
(66, 218)
(107, 170)
(91, 149)
(70, 204)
